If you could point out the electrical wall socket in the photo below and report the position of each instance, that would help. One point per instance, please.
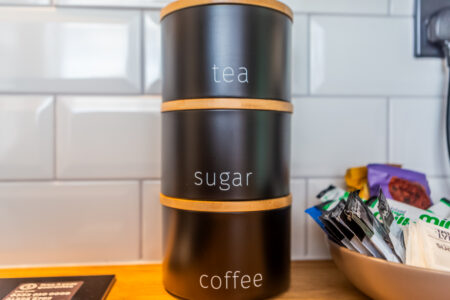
(424, 10)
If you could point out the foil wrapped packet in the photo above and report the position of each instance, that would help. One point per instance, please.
(350, 223)
(378, 234)
(386, 228)
(403, 213)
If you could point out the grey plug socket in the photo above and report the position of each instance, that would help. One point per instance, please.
(439, 26)
(425, 10)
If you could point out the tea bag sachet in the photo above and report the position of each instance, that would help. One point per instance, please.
(395, 233)
(357, 211)
(428, 246)
(403, 213)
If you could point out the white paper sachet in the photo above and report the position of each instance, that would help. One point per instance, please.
(428, 246)
(441, 209)
(414, 248)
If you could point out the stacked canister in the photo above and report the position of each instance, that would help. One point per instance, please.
(226, 148)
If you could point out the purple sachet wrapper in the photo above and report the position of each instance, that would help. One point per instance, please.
(399, 184)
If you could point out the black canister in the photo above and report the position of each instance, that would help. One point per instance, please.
(226, 154)
(226, 50)
(226, 148)
(226, 255)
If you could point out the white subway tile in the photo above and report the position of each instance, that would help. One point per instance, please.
(440, 188)
(71, 222)
(339, 6)
(298, 240)
(25, 2)
(114, 3)
(26, 143)
(300, 55)
(331, 134)
(402, 7)
(417, 135)
(317, 247)
(369, 56)
(152, 221)
(108, 137)
(70, 50)
(152, 53)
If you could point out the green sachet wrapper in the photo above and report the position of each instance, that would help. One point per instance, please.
(403, 213)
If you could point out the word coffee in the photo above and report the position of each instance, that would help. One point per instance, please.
(231, 280)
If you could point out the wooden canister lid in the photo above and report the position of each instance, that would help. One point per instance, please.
(227, 103)
(271, 4)
(226, 206)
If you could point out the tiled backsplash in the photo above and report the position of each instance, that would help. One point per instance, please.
(80, 121)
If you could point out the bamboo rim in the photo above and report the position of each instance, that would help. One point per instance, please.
(271, 4)
(227, 103)
(226, 206)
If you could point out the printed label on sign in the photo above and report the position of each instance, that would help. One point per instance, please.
(45, 291)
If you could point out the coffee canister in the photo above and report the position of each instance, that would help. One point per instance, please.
(226, 148)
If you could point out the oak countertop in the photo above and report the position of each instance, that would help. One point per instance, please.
(309, 280)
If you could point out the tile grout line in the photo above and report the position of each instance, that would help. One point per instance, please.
(78, 180)
(158, 95)
(55, 141)
(96, 6)
(141, 220)
(356, 15)
(157, 180)
(308, 54)
(77, 94)
(371, 96)
(331, 176)
(142, 50)
(116, 180)
(388, 129)
(159, 7)
(305, 221)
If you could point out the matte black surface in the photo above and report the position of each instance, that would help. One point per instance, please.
(226, 141)
(93, 288)
(197, 38)
(424, 10)
(197, 243)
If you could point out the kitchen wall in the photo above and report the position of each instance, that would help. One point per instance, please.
(80, 122)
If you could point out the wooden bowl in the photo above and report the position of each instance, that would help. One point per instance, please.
(380, 279)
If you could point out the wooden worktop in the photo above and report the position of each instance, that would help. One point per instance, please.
(309, 280)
